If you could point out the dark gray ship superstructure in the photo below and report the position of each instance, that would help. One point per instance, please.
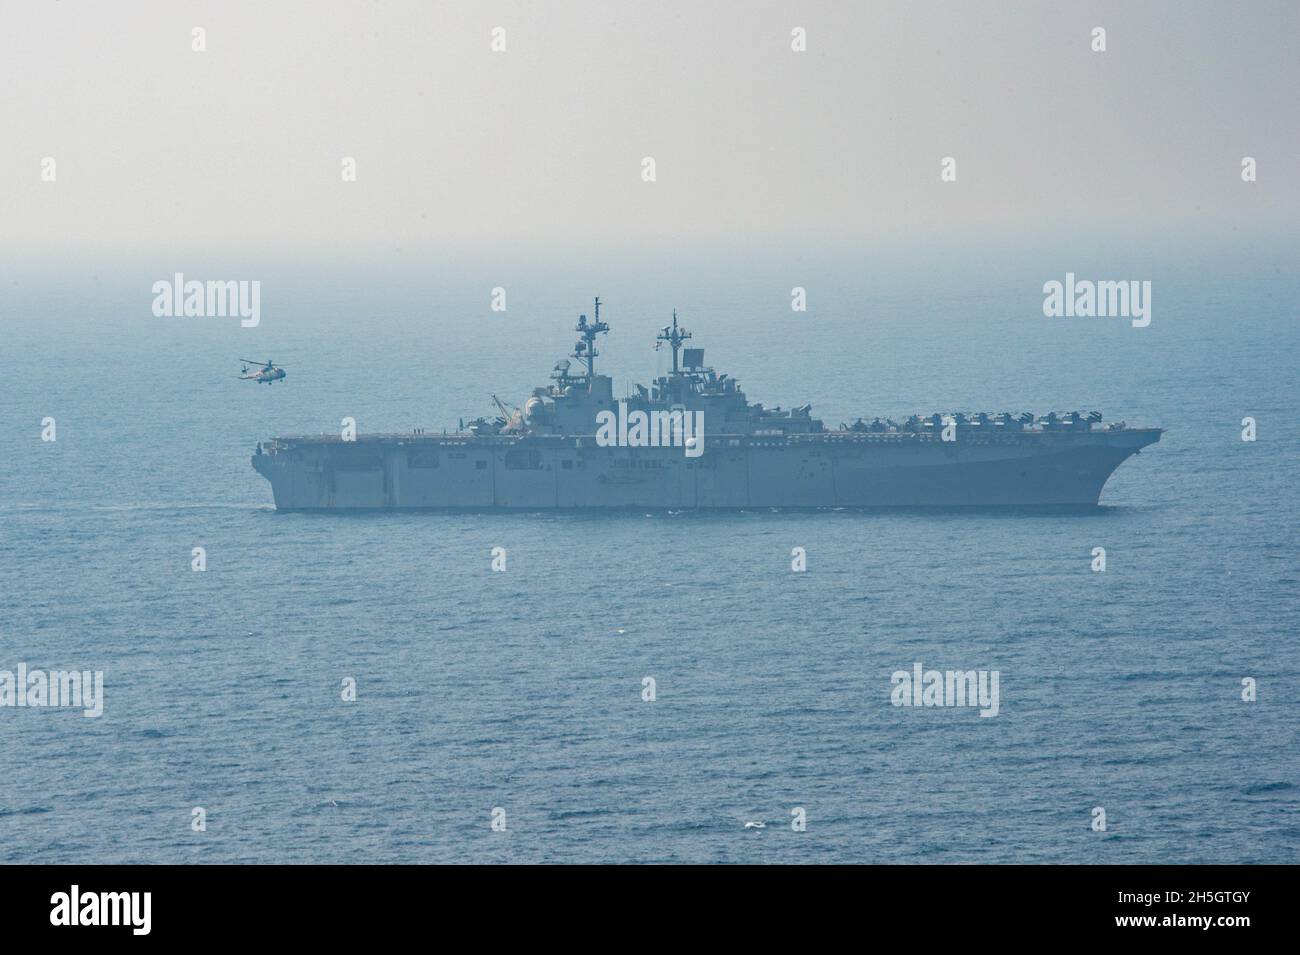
(693, 440)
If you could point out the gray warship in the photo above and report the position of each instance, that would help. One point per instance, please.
(693, 440)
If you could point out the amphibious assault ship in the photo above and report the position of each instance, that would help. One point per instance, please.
(693, 440)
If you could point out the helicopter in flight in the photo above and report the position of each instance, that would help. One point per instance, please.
(267, 372)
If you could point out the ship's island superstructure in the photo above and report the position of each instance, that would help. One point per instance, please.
(573, 445)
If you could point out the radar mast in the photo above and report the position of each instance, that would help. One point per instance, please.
(674, 336)
(585, 349)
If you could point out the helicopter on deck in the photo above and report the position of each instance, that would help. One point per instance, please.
(267, 372)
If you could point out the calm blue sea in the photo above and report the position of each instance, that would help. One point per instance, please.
(522, 690)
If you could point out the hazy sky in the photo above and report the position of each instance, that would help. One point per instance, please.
(158, 146)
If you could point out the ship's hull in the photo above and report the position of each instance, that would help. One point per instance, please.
(838, 469)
